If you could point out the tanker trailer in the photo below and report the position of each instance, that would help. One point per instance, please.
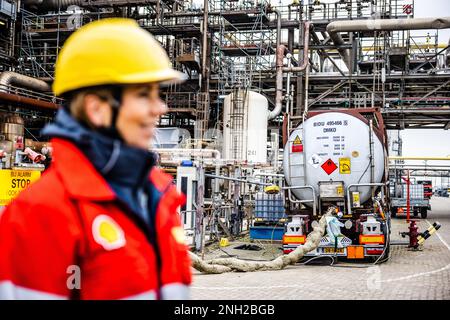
(339, 158)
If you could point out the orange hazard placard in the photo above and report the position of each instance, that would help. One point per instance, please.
(329, 166)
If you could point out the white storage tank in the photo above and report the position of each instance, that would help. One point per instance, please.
(245, 126)
(333, 146)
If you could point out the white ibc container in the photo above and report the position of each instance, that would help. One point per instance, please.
(336, 142)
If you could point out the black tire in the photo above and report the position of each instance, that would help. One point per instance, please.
(394, 212)
(424, 213)
(416, 212)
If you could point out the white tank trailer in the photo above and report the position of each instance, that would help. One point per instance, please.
(329, 152)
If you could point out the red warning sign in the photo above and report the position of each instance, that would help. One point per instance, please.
(329, 166)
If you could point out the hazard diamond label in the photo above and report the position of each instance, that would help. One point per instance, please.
(329, 166)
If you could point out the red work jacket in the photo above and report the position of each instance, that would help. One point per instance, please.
(68, 237)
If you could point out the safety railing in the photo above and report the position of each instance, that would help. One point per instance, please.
(30, 94)
(361, 9)
(313, 200)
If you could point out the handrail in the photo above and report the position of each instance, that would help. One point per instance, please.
(314, 200)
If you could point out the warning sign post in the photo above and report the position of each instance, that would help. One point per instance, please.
(12, 182)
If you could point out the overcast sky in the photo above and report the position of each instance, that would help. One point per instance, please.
(429, 142)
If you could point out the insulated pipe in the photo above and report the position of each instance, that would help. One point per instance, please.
(335, 27)
(307, 26)
(278, 26)
(205, 39)
(52, 4)
(281, 51)
(8, 78)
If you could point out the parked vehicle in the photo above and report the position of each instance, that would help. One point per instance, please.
(442, 192)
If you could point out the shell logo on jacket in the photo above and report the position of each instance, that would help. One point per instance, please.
(107, 233)
(71, 217)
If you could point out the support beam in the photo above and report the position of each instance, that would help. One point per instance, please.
(431, 92)
(447, 126)
(326, 93)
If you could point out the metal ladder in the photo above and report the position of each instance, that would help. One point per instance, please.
(202, 116)
(238, 100)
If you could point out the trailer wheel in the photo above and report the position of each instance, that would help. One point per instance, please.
(394, 212)
(423, 213)
(416, 212)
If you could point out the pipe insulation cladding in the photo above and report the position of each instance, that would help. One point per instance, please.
(8, 78)
(333, 146)
(44, 5)
(334, 28)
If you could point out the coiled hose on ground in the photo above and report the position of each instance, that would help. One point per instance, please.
(223, 265)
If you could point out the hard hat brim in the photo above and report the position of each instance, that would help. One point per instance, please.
(165, 77)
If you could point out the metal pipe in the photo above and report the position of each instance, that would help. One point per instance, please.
(278, 41)
(335, 27)
(8, 78)
(51, 4)
(28, 101)
(267, 174)
(420, 166)
(280, 52)
(237, 180)
(215, 152)
(306, 26)
(417, 158)
(314, 199)
(205, 38)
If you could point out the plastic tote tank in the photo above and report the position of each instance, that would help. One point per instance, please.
(335, 146)
(245, 126)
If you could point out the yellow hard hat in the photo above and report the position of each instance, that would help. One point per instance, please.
(111, 51)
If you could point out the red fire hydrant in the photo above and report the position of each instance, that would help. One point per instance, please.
(413, 234)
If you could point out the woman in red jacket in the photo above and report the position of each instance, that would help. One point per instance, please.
(102, 221)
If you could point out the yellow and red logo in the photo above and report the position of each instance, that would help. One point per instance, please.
(108, 233)
(178, 234)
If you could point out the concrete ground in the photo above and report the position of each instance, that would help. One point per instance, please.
(407, 275)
